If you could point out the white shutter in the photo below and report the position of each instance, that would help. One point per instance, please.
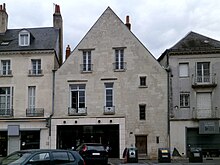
(203, 105)
(183, 70)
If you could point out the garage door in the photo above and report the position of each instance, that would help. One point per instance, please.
(203, 105)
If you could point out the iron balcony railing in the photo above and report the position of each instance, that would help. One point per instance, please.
(109, 110)
(6, 112)
(35, 112)
(86, 67)
(5, 72)
(208, 80)
(77, 111)
(205, 113)
(119, 66)
(33, 72)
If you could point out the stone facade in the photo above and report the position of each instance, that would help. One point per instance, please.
(106, 36)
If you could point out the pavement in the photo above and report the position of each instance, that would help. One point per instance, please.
(178, 161)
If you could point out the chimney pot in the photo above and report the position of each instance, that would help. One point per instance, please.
(128, 22)
(68, 50)
(4, 8)
(0, 7)
(57, 9)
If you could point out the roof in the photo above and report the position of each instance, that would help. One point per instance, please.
(193, 43)
(41, 39)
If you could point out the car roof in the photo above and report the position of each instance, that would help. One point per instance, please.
(40, 150)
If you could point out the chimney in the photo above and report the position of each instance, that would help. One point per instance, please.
(128, 23)
(58, 23)
(3, 19)
(68, 51)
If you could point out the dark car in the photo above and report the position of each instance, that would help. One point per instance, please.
(93, 153)
(43, 157)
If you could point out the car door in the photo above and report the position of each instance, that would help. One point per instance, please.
(42, 158)
(63, 158)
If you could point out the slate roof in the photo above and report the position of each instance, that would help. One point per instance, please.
(193, 43)
(45, 38)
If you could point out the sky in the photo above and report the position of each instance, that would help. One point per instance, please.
(158, 24)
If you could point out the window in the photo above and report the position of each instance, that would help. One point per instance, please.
(87, 66)
(5, 100)
(24, 38)
(142, 112)
(40, 158)
(36, 67)
(5, 67)
(109, 94)
(203, 72)
(77, 94)
(143, 81)
(183, 70)
(31, 97)
(119, 59)
(184, 100)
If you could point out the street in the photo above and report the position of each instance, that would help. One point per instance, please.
(212, 161)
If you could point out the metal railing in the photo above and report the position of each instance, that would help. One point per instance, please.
(35, 112)
(86, 67)
(205, 113)
(119, 66)
(77, 111)
(109, 110)
(5, 72)
(34, 72)
(204, 80)
(6, 112)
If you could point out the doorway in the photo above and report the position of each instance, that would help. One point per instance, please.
(141, 144)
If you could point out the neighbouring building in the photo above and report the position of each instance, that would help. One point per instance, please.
(111, 90)
(28, 58)
(193, 66)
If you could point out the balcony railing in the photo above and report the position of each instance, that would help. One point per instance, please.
(205, 113)
(119, 66)
(34, 72)
(77, 111)
(204, 81)
(6, 112)
(86, 67)
(109, 110)
(5, 73)
(35, 112)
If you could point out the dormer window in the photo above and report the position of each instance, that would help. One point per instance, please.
(24, 38)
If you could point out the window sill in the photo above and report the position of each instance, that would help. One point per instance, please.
(35, 75)
(119, 70)
(85, 72)
(6, 75)
(143, 86)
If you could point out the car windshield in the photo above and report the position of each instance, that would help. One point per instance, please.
(15, 159)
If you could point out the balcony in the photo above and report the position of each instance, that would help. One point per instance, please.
(34, 112)
(204, 81)
(6, 112)
(205, 113)
(120, 66)
(5, 73)
(86, 68)
(33, 72)
(77, 111)
(109, 110)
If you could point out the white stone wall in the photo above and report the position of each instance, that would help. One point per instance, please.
(107, 33)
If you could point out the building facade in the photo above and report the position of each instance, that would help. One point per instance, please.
(193, 66)
(111, 90)
(28, 58)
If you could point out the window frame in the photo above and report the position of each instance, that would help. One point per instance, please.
(203, 78)
(32, 97)
(142, 111)
(184, 99)
(6, 67)
(36, 67)
(6, 99)
(79, 89)
(24, 38)
(109, 87)
(181, 75)
(143, 81)
(87, 61)
(119, 57)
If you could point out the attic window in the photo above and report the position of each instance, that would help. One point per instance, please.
(24, 38)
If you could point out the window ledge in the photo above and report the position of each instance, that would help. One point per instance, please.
(6, 75)
(143, 86)
(119, 70)
(85, 72)
(35, 75)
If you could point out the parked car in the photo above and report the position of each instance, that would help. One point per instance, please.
(93, 153)
(43, 157)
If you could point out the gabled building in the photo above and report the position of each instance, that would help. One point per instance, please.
(111, 90)
(28, 58)
(193, 66)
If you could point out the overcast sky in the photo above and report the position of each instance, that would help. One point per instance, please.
(158, 24)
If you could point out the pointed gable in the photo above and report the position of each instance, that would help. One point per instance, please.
(194, 42)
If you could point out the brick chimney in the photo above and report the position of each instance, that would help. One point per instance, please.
(58, 23)
(128, 22)
(68, 51)
(3, 19)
